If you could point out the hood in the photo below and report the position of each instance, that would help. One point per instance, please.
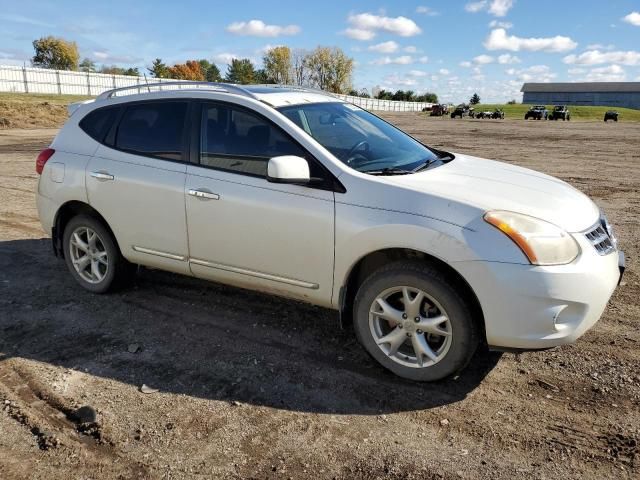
(491, 185)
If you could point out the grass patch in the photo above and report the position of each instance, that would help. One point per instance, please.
(578, 112)
(26, 110)
(41, 98)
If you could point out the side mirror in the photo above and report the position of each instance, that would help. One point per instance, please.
(288, 169)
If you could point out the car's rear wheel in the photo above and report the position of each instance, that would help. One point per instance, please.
(93, 257)
(410, 319)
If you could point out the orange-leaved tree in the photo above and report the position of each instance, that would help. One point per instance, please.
(190, 70)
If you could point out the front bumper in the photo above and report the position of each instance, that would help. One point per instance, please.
(536, 307)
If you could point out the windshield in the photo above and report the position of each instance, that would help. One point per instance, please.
(358, 138)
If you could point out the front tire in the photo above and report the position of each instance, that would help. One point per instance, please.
(410, 319)
(93, 257)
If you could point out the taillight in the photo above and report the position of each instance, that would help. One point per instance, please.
(42, 159)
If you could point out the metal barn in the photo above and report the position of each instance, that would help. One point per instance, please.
(609, 94)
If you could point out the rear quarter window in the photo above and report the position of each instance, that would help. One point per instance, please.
(97, 123)
(153, 129)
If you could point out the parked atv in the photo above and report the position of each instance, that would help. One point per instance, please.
(560, 112)
(439, 110)
(611, 115)
(484, 114)
(537, 112)
(463, 110)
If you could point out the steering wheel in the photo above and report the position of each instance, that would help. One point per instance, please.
(352, 156)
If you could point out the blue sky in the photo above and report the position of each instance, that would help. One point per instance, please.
(453, 48)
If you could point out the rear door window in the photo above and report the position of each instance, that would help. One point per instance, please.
(153, 129)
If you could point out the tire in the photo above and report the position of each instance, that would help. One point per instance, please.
(113, 270)
(450, 353)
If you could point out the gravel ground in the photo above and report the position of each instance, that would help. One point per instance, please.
(242, 385)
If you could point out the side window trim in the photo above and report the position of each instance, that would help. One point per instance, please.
(330, 182)
(110, 140)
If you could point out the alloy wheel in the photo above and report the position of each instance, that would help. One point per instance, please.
(410, 326)
(88, 255)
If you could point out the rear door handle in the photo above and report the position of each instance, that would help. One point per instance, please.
(101, 175)
(204, 194)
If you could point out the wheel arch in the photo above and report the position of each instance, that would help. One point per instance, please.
(370, 262)
(65, 213)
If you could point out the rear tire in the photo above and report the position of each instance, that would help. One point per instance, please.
(414, 349)
(93, 257)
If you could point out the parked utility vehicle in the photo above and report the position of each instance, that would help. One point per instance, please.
(560, 112)
(537, 112)
(300, 194)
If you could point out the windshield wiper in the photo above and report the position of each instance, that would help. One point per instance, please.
(388, 171)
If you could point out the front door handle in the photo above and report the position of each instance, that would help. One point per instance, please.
(204, 194)
(101, 175)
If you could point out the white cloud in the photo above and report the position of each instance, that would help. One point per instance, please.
(384, 47)
(417, 73)
(576, 71)
(483, 60)
(465, 64)
(500, 8)
(612, 73)
(499, 24)
(15, 18)
(499, 40)
(596, 57)
(257, 28)
(103, 56)
(444, 71)
(426, 11)
(507, 59)
(401, 60)
(599, 46)
(397, 80)
(424, 59)
(410, 49)
(224, 58)
(535, 73)
(364, 26)
(359, 34)
(633, 18)
(475, 7)
(497, 8)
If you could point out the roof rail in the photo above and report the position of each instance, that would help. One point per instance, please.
(296, 87)
(220, 87)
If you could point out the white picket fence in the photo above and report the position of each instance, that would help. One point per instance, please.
(64, 82)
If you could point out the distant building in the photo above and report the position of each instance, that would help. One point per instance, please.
(609, 94)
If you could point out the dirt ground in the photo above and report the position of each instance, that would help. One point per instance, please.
(254, 387)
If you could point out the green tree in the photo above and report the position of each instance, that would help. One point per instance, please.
(210, 71)
(87, 65)
(56, 53)
(277, 65)
(475, 99)
(262, 78)
(241, 71)
(428, 97)
(159, 69)
(132, 71)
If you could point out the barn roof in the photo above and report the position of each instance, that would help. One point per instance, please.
(582, 87)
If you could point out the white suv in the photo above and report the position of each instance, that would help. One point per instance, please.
(297, 193)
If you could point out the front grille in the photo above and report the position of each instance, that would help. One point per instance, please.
(600, 238)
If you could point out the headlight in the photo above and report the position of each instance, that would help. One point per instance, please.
(542, 242)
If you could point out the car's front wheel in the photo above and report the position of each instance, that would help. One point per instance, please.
(412, 320)
(93, 257)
